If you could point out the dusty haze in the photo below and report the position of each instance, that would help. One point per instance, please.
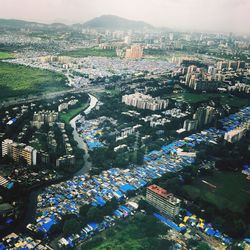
(191, 15)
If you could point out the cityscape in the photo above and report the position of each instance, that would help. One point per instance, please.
(126, 130)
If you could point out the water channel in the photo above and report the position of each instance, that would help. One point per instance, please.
(32, 203)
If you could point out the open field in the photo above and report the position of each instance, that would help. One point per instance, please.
(198, 97)
(84, 52)
(67, 115)
(140, 232)
(6, 55)
(232, 190)
(19, 80)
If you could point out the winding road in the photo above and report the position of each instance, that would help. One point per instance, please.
(33, 98)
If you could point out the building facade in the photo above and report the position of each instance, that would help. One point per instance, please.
(44, 117)
(190, 125)
(165, 202)
(66, 160)
(204, 115)
(142, 101)
(18, 151)
(135, 52)
(235, 135)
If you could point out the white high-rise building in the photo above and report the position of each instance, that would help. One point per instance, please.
(235, 135)
(171, 36)
(127, 40)
(212, 71)
(190, 125)
(142, 101)
(6, 146)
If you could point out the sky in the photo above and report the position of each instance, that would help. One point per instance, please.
(190, 15)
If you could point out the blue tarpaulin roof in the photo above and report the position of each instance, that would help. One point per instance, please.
(124, 208)
(226, 240)
(118, 213)
(93, 225)
(10, 185)
(247, 240)
(9, 221)
(46, 226)
(210, 232)
(127, 187)
(101, 202)
(119, 194)
(168, 222)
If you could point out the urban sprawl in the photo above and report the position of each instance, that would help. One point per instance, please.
(123, 125)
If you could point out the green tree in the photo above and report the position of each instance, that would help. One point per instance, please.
(203, 246)
(84, 209)
(109, 208)
(94, 214)
(71, 226)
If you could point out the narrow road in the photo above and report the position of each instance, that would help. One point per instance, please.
(23, 100)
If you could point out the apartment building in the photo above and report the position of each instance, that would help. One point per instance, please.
(63, 106)
(190, 125)
(18, 151)
(142, 101)
(204, 115)
(66, 160)
(42, 117)
(135, 52)
(164, 201)
(235, 135)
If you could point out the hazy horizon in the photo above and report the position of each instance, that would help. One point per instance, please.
(190, 15)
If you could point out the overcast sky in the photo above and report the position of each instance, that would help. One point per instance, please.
(207, 15)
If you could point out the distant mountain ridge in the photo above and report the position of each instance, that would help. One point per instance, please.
(19, 23)
(116, 23)
(110, 22)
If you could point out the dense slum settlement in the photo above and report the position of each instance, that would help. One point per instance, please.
(67, 197)
(90, 132)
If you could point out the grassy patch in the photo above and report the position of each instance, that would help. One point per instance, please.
(113, 91)
(198, 97)
(232, 190)
(193, 97)
(234, 101)
(84, 52)
(6, 55)
(67, 115)
(192, 192)
(19, 80)
(141, 232)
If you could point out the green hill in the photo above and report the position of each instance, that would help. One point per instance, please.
(116, 23)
